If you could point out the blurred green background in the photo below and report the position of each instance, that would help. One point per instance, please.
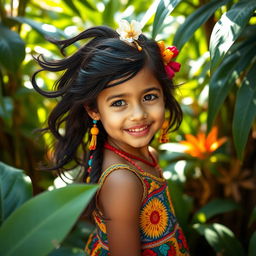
(210, 162)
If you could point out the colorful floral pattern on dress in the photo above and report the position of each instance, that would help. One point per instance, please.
(100, 224)
(153, 218)
(160, 232)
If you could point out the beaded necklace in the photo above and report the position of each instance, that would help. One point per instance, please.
(129, 157)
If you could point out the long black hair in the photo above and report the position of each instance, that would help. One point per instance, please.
(91, 69)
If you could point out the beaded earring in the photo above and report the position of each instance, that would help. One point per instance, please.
(94, 132)
(163, 138)
(92, 146)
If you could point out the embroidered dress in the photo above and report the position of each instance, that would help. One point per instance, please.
(160, 232)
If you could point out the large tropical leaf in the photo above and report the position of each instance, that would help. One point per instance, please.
(220, 238)
(194, 21)
(12, 49)
(214, 207)
(40, 224)
(164, 8)
(67, 251)
(224, 78)
(15, 189)
(42, 28)
(228, 29)
(245, 111)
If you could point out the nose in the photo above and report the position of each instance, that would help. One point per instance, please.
(138, 113)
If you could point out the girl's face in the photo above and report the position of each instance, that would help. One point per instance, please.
(132, 112)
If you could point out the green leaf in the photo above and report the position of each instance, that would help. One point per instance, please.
(71, 5)
(6, 110)
(252, 245)
(81, 232)
(41, 28)
(172, 152)
(111, 8)
(15, 189)
(194, 21)
(245, 111)
(182, 204)
(164, 8)
(41, 223)
(252, 217)
(224, 78)
(67, 251)
(221, 239)
(228, 28)
(88, 5)
(12, 49)
(214, 207)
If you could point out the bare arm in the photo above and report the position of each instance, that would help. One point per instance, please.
(120, 198)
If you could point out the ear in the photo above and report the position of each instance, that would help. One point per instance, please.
(94, 114)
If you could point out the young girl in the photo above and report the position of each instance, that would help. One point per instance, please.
(113, 96)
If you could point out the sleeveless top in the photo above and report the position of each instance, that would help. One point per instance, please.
(160, 233)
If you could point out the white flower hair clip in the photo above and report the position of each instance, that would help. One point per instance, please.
(130, 32)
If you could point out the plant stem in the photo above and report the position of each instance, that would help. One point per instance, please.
(21, 11)
(22, 7)
(11, 8)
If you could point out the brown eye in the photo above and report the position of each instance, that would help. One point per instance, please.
(118, 103)
(150, 97)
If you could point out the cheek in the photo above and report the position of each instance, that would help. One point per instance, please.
(159, 115)
(111, 121)
(158, 110)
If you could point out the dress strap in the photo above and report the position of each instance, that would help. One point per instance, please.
(124, 167)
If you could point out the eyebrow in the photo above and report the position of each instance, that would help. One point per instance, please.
(126, 94)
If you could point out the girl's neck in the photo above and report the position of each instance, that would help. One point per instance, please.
(130, 158)
(142, 152)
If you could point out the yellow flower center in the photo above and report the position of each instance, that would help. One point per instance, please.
(131, 34)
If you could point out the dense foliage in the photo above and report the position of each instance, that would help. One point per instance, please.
(210, 163)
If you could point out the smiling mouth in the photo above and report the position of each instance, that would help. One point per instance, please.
(138, 131)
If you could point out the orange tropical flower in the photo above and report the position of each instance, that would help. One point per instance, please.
(201, 146)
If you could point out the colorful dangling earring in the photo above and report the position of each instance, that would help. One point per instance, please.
(163, 138)
(92, 146)
(88, 179)
(94, 132)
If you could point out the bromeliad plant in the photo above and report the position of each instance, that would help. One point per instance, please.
(202, 145)
(202, 148)
(205, 184)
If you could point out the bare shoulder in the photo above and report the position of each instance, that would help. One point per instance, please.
(122, 179)
(121, 195)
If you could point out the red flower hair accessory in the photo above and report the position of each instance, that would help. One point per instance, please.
(169, 53)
